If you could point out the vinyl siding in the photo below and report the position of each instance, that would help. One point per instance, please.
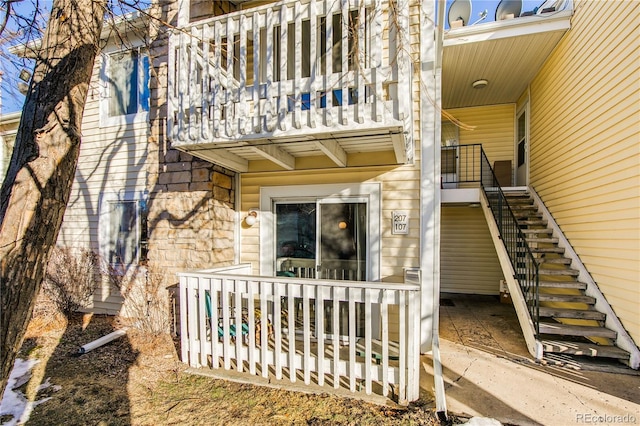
(112, 160)
(399, 191)
(585, 147)
(494, 129)
(468, 259)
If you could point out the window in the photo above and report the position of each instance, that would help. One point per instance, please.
(124, 231)
(127, 83)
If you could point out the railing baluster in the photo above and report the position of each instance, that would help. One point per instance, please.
(291, 326)
(270, 95)
(213, 321)
(376, 62)
(277, 328)
(205, 123)
(297, 52)
(172, 85)
(367, 339)
(185, 315)
(319, 329)
(282, 84)
(257, 121)
(306, 323)
(352, 338)
(242, 59)
(228, 108)
(344, 80)
(359, 60)
(252, 326)
(202, 322)
(239, 331)
(183, 85)
(194, 93)
(335, 330)
(402, 394)
(226, 329)
(215, 76)
(328, 57)
(313, 62)
(264, 328)
(384, 317)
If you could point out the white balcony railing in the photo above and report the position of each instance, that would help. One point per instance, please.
(359, 333)
(290, 68)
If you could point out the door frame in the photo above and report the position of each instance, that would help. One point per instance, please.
(371, 192)
(524, 109)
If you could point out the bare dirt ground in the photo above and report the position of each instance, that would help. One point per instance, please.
(137, 379)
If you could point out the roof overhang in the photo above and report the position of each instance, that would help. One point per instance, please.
(508, 54)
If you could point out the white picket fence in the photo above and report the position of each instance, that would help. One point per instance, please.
(325, 331)
(290, 68)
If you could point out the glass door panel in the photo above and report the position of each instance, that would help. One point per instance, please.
(296, 239)
(343, 241)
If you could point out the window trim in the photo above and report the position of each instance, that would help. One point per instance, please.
(140, 116)
(105, 224)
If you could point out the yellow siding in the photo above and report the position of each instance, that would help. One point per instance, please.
(585, 147)
(400, 190)
(468, 259)
(494, 129)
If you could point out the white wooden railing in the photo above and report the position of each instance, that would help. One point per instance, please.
(331, 330)
(285, 69)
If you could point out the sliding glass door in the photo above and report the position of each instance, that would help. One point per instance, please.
(323, 238)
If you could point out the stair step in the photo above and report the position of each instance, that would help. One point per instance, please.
(567, 298)
(587, 314)
(541, 240)
(523, 207)
(559, 250)
(556, 261)
(544, 231)
(569, 272)
(562, 284)
(576, 330)
(532, 222)
(520, 215)
(516, 194)
(586, 349)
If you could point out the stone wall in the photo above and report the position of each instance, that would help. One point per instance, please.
(191, 217)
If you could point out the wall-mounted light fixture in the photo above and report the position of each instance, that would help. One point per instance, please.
(252, 217)
(480, 84)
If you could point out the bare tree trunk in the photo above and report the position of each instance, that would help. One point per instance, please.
(35, 192)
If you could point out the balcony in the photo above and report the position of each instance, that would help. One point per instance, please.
(356, 335)
(292, 79)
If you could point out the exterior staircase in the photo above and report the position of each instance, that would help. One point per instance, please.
(569, 322)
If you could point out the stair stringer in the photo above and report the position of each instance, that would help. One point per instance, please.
(519, 303)
(623, 339)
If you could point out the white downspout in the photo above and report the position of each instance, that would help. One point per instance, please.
(430, 106)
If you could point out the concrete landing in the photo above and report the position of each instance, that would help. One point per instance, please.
(489, 373)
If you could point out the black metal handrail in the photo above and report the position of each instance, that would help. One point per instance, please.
(522, 259)
(465, 164)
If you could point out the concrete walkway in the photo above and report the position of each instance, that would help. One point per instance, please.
(489, 373)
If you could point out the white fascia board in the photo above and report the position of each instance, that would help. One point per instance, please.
(516, 27)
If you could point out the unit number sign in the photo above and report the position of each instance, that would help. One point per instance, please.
(400, 222)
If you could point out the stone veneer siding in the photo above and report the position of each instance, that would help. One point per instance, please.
(191, 217)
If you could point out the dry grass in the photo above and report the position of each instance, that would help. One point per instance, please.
(138, 380)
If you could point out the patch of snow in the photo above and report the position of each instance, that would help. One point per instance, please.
(14, 403)
(482, 421)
